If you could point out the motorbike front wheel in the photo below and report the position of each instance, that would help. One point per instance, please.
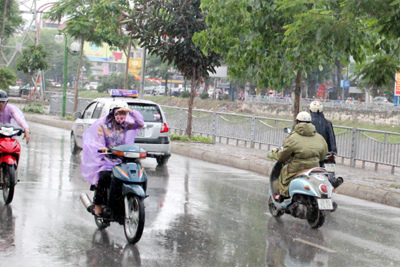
(8, 175)
(273, 210)
(134, 218)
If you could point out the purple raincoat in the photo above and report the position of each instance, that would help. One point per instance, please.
(13, 115)
(101, 134)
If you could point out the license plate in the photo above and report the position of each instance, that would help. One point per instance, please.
(330, 167)
(325, 204)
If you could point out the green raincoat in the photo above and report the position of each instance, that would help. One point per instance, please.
(303, 149)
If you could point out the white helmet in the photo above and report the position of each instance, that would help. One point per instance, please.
(118, 104)
(316, 106)
(304, 116)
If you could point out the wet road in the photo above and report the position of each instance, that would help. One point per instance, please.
(198, 214)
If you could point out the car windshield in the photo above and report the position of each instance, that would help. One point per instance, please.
(151, 113)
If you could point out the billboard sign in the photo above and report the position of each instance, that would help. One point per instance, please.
(397, 85)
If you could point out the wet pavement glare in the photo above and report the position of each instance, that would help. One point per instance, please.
(197, 214)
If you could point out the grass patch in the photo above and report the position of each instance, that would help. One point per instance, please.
(92, 94)
(185, 138)
(395, 186)
(34, 107)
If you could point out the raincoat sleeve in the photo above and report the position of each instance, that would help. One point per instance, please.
(287, 151)
(17, 118)
(92, 161)
(134, 120)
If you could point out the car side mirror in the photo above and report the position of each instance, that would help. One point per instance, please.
(77, 115)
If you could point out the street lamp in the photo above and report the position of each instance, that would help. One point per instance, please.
(75, 47)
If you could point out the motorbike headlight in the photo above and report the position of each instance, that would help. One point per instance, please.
(132, 155)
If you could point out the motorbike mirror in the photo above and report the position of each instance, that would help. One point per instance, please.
(287, 130)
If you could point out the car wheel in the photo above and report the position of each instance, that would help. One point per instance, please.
(162, 160)
(74, 147)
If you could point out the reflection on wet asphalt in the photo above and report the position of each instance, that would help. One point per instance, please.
(197, 214)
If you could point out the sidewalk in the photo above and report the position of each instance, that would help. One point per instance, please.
(381, 187)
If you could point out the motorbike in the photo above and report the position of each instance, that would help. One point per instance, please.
(329, 164)
(310, 195)
(126, 194)
(10, 150)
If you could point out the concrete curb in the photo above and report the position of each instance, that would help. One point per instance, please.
(368, 193)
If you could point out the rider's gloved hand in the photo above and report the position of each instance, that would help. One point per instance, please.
(103, 150)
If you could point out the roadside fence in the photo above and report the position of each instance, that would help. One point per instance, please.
(354, 144)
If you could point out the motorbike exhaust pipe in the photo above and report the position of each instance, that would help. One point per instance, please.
(86, 202)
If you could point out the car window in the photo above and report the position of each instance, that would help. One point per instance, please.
(97, 111)
(87, 114)
(151, 113)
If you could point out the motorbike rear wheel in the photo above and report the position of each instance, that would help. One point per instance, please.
(134, 219)
(8, 176)
(273, 210)
(317, 218)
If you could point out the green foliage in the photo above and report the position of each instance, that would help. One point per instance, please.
(33, 59)
(116, 81)
(34, 107)
(13, 19)
(157, 29)
(185, 138)
(184, 94)
(7, 78)
(204, 95)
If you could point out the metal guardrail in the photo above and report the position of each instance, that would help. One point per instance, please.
(56, 104)
(327, 104)
(355, 144)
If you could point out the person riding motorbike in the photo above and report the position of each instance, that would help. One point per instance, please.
(13, 115)
(119, 127)
(303, 149)
(322, 125)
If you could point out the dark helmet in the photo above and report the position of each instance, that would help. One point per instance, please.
(3, 96)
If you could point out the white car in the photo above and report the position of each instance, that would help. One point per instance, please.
(154, 137)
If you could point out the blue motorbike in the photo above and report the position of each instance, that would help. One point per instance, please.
(310, 194)
(126, 193)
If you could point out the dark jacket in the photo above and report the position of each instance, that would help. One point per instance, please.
(324, 127)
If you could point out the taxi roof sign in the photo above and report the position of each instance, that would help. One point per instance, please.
(123, 93)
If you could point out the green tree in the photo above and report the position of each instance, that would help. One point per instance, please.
(166, 29)
(11, 19)
(33, 59)
(7, 78)
(274, 42)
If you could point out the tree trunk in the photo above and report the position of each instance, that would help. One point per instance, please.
(127, 64)
(190, 106)
(297, 94)
(339, 78)
(4, 22)
(77, 78)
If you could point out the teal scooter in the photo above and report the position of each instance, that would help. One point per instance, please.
(310, 196)
(126, 193)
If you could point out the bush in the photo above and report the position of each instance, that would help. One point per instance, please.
(185, 94)
(226, 97)
(197, 138)
(204, 95)
(34, 108)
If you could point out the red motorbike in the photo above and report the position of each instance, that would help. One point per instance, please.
(9, 157)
